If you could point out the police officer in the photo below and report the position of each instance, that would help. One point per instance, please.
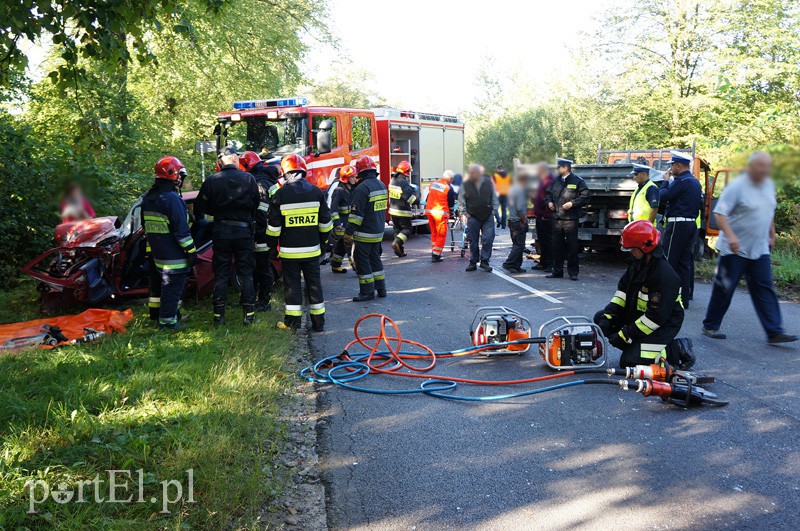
(683, 197)
(402, 195)
(231, 197)
(644, 201)
(166, 222)
(299, 225)
(266, 177)
(566, 196)
(365, 227)
(645, 314)
(341, 199)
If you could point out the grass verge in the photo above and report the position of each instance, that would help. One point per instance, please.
(202, 399)
(785, 268)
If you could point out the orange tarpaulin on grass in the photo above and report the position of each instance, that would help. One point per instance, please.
(72, 326)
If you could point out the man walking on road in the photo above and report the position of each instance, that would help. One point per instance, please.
(565, 197)
(502, 185)
(517, 223)
(684, 199)
(544, 219)
(478, 198)
(231, 196)
(745, 215)
(441, 199)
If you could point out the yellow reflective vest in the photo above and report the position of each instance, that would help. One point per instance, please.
(639, 208)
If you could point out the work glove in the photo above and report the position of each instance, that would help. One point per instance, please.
(192, 257)
(348, 239)
(605, 324)
(619, 341)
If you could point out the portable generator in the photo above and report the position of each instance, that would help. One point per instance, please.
(572, 342)
(498, 324)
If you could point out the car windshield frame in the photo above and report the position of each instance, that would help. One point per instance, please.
(291, 134)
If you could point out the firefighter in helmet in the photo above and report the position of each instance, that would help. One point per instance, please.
(402, 195)
(267, 180)
(365, 227)
(299, 225)
(166, 222)
(341, 199)
(645, 314)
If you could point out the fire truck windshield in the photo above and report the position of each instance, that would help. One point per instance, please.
(278, 137)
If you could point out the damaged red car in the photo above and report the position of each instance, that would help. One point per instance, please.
(100, 260)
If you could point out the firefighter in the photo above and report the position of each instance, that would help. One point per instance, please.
(439, 205)
(299, 225)
(683, 196)
(341, 200)
(402, 195)
(645, 314)
(231, 196)
(266, 177)
(566, 196)
(365, 227)
(166, 222)
(644, 201)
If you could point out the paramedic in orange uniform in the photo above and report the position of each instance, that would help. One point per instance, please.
(441, 198)
(502, 184)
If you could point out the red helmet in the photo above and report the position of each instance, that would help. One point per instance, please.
(345, 172)
(248, 159)
(404, 167)
(293, 162)
(641, 234)
(364, 163)
(168, 168)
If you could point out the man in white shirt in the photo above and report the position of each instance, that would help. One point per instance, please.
(745, 215)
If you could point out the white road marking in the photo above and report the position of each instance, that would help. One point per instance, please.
(526, 287)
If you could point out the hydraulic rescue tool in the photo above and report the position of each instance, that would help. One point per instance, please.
(582, 347)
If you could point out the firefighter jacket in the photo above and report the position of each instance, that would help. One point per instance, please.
(401, 196)
(231, 196)
(441, 198)
(647, 303)
(502, 183)
(267, 181)
(166, 223)
(643, 201)
(341, 199)
(299, 219)
(568, 189)
(367, 219)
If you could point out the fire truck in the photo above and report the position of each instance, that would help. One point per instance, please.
(330, 137)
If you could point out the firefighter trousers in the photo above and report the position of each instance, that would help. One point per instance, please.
(225, 251)
(166, 292)
(340, 251)
(402, 228)
(437, 221)
(263, 277)
(645, 351)
(294, 272)
(369, 266)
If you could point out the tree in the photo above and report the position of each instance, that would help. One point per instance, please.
(350, 87)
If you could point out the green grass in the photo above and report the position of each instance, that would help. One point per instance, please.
(202, 399)
(785, 267)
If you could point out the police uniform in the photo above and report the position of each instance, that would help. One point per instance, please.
(341, 199)
(231, 197)
(366, 224)
(401, 196)
(299, 224)
(645, 312)
(562, 190)
(166, 222)
(684, 201)
(644, 199)
(267, 181)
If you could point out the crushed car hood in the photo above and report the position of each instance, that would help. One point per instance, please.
(86, 233)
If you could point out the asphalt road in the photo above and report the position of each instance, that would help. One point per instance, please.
(582, 457)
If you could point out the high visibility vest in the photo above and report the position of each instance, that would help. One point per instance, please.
(502, 183)
(639, 208)
(437, 197)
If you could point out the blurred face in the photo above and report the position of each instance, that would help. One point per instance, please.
(637, 254)
(542, 171)
(474, 173)
(641, 177)
(678, 168)
(564, 170)
(352, 179)
(759, 168)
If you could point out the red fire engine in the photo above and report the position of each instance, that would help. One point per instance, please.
(330, 137)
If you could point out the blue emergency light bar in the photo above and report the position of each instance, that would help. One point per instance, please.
(267, 104)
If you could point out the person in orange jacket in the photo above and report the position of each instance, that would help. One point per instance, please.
(441, 198)
(502, 184)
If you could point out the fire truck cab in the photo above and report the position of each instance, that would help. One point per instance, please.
(330, 137)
